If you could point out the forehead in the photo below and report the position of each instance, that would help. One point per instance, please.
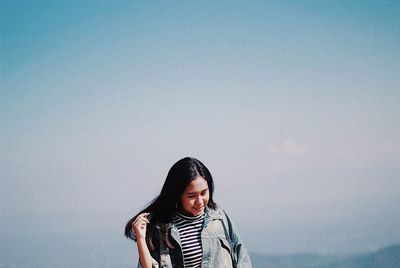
(197, 185)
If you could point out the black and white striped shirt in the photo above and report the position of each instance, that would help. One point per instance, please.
(190, 235)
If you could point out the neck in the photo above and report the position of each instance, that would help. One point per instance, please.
(188, 216)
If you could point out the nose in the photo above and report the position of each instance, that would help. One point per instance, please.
(199, 200)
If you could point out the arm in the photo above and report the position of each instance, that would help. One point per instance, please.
(145, 258)
(139, 228)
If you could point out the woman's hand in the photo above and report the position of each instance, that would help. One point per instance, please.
(139, 226)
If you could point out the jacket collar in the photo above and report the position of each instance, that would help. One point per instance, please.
(213, 214)
(209, 215)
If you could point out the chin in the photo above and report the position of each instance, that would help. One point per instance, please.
(198, 212)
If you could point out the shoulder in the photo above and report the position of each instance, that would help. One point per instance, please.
(217, 213)
(221, 211)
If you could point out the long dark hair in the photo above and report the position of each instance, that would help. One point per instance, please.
(162, 208)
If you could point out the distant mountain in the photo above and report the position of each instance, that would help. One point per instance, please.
(291, 261)
(384, 258)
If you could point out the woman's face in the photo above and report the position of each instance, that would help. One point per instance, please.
(195, 197)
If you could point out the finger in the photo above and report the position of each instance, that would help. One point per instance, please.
(144, 216)
(140, 216)
(140, 222)
(144, 220)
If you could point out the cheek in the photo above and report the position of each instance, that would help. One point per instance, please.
(186, 202)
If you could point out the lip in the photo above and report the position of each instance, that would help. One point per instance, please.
(199, 208)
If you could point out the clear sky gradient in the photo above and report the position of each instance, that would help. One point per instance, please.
(293, 105)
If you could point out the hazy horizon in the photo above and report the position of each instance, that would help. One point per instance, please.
(293, 106)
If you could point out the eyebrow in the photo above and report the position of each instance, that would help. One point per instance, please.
(196, 192)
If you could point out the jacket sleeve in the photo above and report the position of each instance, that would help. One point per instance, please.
(153, 265)
(239, 249)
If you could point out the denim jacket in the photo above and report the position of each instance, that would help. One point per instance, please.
(217, 247)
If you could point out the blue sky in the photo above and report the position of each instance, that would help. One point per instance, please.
(293, 105)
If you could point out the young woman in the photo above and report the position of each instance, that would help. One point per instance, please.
(182, 227)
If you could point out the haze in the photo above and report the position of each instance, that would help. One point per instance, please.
(293, 106)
